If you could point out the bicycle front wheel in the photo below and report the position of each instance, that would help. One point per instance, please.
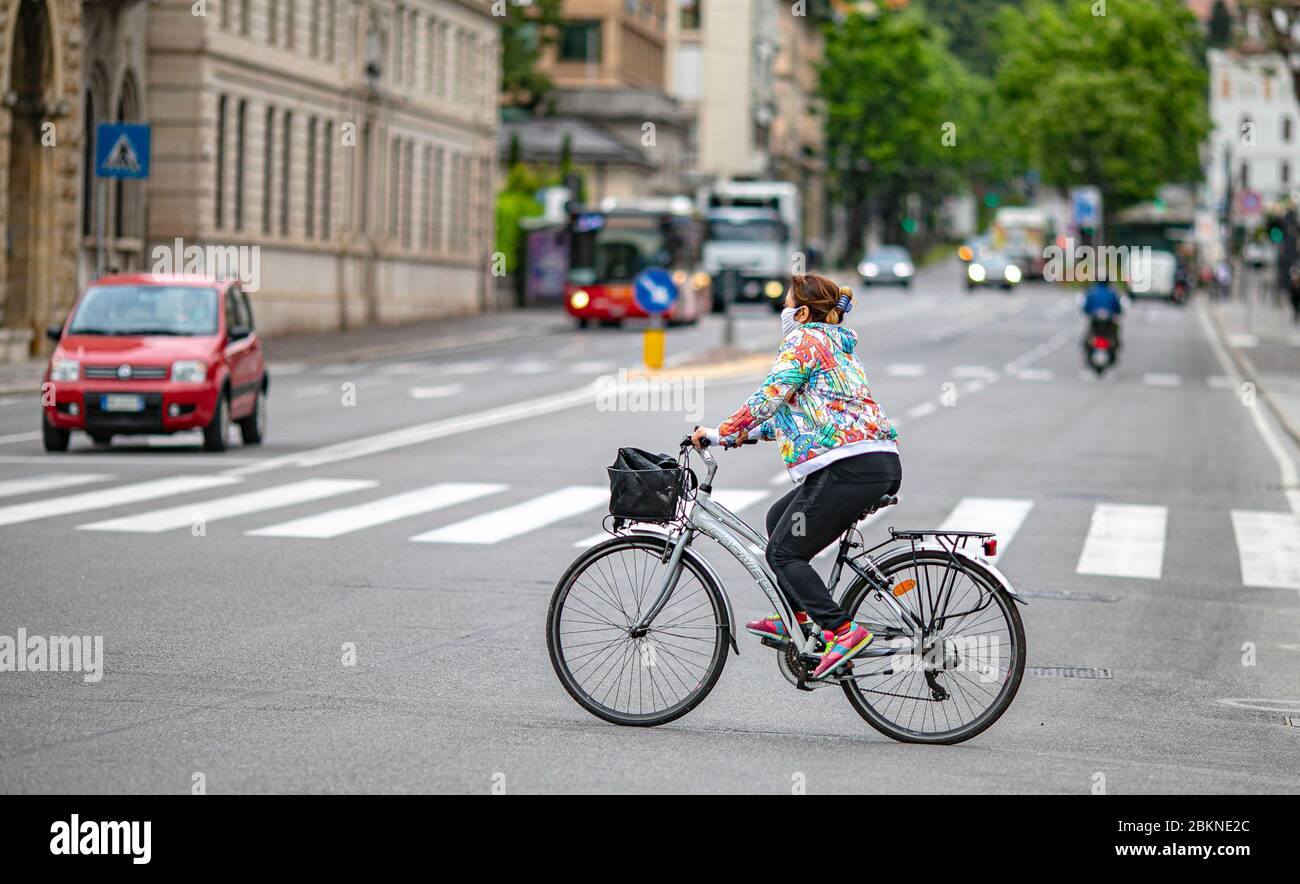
(967, 669)
(637, 680)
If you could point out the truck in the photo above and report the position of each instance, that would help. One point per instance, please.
(752, 232)
(1022, 233)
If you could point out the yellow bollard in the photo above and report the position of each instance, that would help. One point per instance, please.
(652, 347)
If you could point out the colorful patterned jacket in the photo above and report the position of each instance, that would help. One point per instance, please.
(814, 400)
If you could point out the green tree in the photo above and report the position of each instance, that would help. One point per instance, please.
(901, 116)
(526, 29)
(515, 202)
(1115, 100)
(970, 25)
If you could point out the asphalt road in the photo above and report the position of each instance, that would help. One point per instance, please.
(225, 618)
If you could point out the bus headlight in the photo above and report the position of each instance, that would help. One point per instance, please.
(579, 300)
(774, 289)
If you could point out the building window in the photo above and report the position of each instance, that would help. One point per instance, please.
(394, 184)
(326, 179)
(435, 203)
(309, 210)
(313, 40)
(580, 41)
(219, 201)
(330, 14)
(1245, 175)
(1286, 130)
(268, 168)
(241, 140)
(408, 159)
(243, 16)
(690, 14)
(286, 172)
(273, 22)
(290, 23)
(1286, 172)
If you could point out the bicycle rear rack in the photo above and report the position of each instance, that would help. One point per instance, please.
(948, 540)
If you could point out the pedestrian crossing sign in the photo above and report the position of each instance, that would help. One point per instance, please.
(122, 150)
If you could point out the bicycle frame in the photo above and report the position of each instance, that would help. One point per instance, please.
(741, 541)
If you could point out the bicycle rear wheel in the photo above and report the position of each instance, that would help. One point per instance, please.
(967, 671)
(644, 680)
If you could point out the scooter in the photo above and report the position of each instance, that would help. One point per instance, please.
(1101, 343)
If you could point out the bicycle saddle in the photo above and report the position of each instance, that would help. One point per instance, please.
(886, 500)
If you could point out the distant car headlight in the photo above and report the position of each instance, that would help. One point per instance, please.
(65, 370)
(774, 289)
(975, 272)
(189, 371)
(1012, 273)
(701, 280)
(902, 268)
(868, 268)
(579, 299)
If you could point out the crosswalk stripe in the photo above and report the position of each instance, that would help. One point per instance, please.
(1161, 379)
(734, 499)
(437, 392)
(520, 518)
(94, 500)
(228, 507)
(378, 512)
(33, 484)
(1268, 545)
(904, 370)
(1125, 541)
(1001, 515)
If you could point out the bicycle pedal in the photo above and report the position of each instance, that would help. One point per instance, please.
(775, 644)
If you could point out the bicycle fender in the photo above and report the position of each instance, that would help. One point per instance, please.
(708, 569)
(973, 558)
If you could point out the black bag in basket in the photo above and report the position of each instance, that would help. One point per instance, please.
(644, 487)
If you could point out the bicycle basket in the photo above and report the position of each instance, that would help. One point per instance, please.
(645, 487)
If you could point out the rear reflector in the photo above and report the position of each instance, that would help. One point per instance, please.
(991, 547)
(905, 587)
(1101, 343)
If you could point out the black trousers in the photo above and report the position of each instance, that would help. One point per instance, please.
(808, 519)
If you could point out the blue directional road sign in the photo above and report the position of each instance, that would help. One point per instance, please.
(122, 150)
(654, 291)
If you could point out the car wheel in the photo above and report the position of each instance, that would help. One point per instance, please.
(252, 429)
(583, 323)
(103, 440)
(55, 438)
(217, 431)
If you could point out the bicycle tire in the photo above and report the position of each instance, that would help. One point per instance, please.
(656, 547)
(859, 589)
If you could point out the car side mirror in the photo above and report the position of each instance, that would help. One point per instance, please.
(54, 332)
(239, 332)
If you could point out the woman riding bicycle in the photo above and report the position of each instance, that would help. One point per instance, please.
(838, 446)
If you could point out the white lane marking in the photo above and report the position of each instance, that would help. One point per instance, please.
(14, 400)
(1001, 515)
(1286, 466)
(590, 367)
(734, 499)
(314, 390)
(1243, 341)
(1219, 382)
(530, 367)
(276, 369)
(1125, 540)
(414, 435)
(1161, 379)
(229, 507)
(511, 521)
(921, 410)
(33, 484)
(1032, 374)
(20, 437)
(439, 392)
(977, 372)
(904, 370)
(1268, 546)
(974, 387)
(380, 512)
(95, 500)
(402, 368)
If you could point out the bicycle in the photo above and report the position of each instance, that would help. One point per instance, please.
(609, 637)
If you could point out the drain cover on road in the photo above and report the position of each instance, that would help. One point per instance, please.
(1068, 596)
(1291, 721)
(1067, 671)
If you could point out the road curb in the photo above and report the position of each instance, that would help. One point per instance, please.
(1247, 370)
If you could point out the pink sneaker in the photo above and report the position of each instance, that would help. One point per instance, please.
(773, 627)
(842, 647)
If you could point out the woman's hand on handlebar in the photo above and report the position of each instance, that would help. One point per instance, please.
(702, 438)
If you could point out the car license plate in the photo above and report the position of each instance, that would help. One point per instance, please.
(121, 402)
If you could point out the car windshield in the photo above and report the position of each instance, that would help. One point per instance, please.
(769, 230)
(888, 256)
(146, 310)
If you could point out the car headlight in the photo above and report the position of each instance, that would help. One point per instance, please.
(868, 269)
(975, 272)
(774, 289)
(902, 268)
(65, 370)
(189, 371)
(579, 299)
(1012, 273)
(701, 280)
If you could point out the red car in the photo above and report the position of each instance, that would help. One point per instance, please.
(143, 353)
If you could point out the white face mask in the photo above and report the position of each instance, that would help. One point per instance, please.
(788, 322)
